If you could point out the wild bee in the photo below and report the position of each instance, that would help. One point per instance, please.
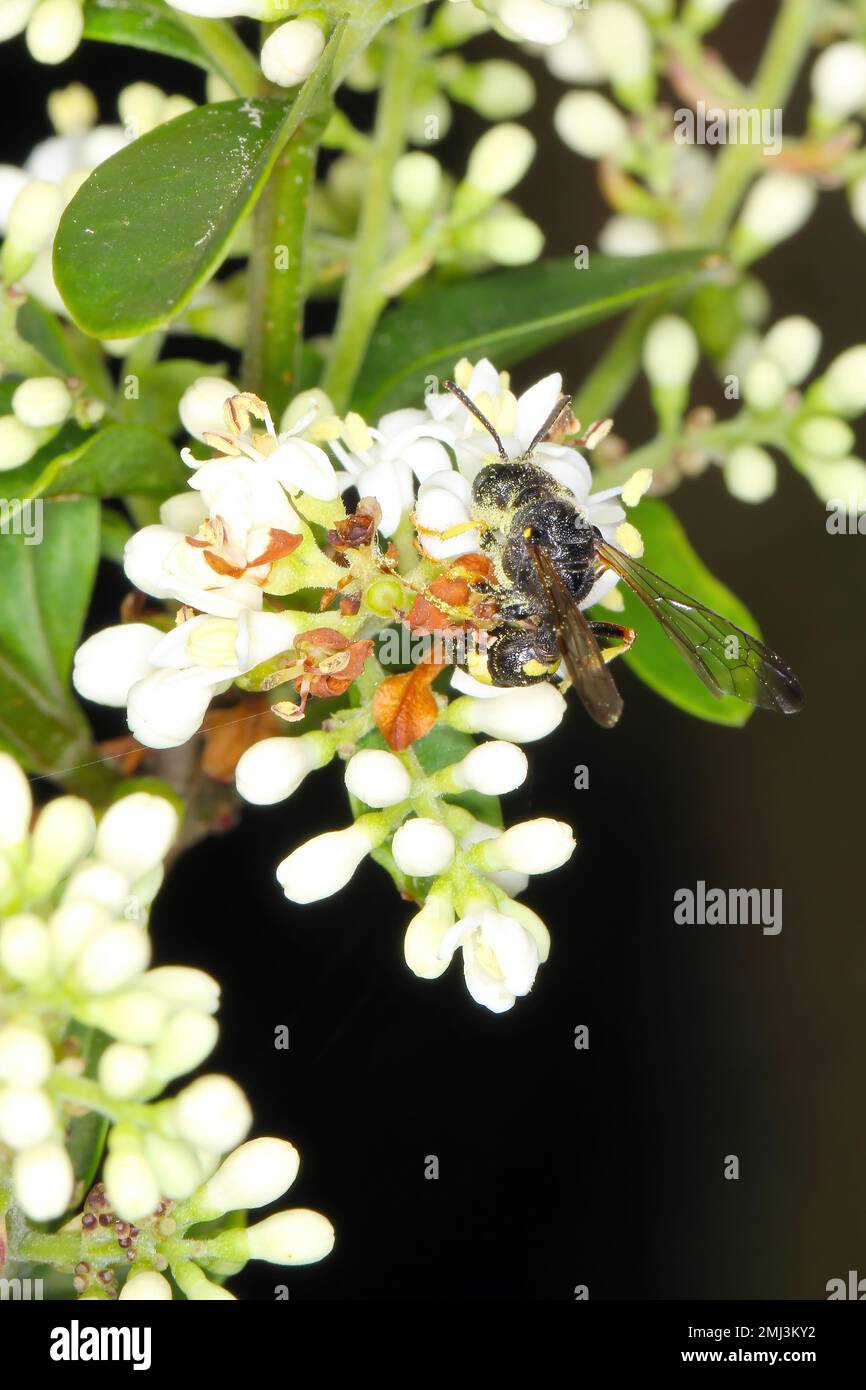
(546, 557)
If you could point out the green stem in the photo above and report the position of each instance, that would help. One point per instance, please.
(782, 59)
(227, 54)
(276, 270)
(362, 299)
(43, 1248)
(612, 376)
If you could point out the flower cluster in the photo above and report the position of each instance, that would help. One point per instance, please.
(74, 958)
(248, 536)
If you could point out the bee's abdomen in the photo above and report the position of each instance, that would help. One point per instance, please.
(554, 525)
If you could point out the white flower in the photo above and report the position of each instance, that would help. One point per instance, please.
(622, 235)
(298, 1237)
(670, 352)
(535, 21)
(839, 80)
(824, 437)
(63, 835)
(763, 384)
(590, 125)
(500, 957)
(422, 847)
(323, 865)
(856, 197)
(202, 405)
(18, 443)
(416, 181)
(224, 9)
(136, 833)
(384, 462)
(574, 60)
(377, 778)
(55, 30)
(124, 1070)
(130, 1182)
(291, 52)
(26, 1058)
(14, 15)
(16, 803)
(26, 1116)
(254, 1175)
(842, 389)
(25, 951)
(620, 39)
(424, 936)
(274, 768)
(189, 1037)
(522, 715)
(109, 663)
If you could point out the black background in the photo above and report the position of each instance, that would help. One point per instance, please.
(561, 1167)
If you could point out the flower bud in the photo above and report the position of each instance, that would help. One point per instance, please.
(254, 1175)
(291, 52)
(423, 847)
(416, 181)
(42, 401)
(72, 109)
(377, 778)
(43, 1180)
(55, 30)
(824, 437)
(184, 987)
(18, 443)
(500, 159)
(492, 768)
(574, 59)
(130, 1183)
(776, 208)
(670, 353)
(522, 715)
(73, 925)
(14, 15)
(424, 937)
(164, 709)
(212, 1114)
(590, 125)
(505, 237)
(535, 846)
(176, 1168)
(793, 344)
(26, 1058)
(100, 884)
(201, 405)
(140, 107)
(131, 1015)
(113, 959)
(298, 1237)
(544, 22)
(124, 1070)
(148, 1285)
(630, 236)
(64, 833)
(763, 385)
(839, 81)
(841, 482)
(12, 180)
(323, 865)
(16, 803)
(274, 768)
(497, 89)
(25, 948)
(750, 473)
(33, 218)
(621, 42)
(842, 389)
(188, 1038)
(509, 881)
(26, 1116)
(136, 833)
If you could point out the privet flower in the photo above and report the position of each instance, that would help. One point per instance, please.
(291, 52)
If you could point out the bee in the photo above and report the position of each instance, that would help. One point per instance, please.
(547, 557)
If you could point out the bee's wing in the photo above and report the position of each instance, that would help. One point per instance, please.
(728, 660)
(581, 653)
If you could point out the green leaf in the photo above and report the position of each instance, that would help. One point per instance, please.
(152, 223)
(654, 657)
(443, 746)
(44, 592)
(86, 1134)
(142, 24)
(63, 348)
(110, 462)
(506, 316)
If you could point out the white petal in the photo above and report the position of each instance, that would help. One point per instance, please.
(184, 513)
(301, 466)
(535, 405)
(167, 708)
(111, 661)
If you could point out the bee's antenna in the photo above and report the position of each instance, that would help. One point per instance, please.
(562, 404)
(482, 419)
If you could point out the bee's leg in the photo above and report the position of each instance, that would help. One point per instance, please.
(612, 638)
(450, 531)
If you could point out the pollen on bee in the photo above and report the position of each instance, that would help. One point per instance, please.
(527, 533)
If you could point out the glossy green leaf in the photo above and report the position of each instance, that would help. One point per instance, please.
(110, 462)
(142, 24)
(505, 316)
(63, 348)
(152, 223)
(654, 657)
(45, 589)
